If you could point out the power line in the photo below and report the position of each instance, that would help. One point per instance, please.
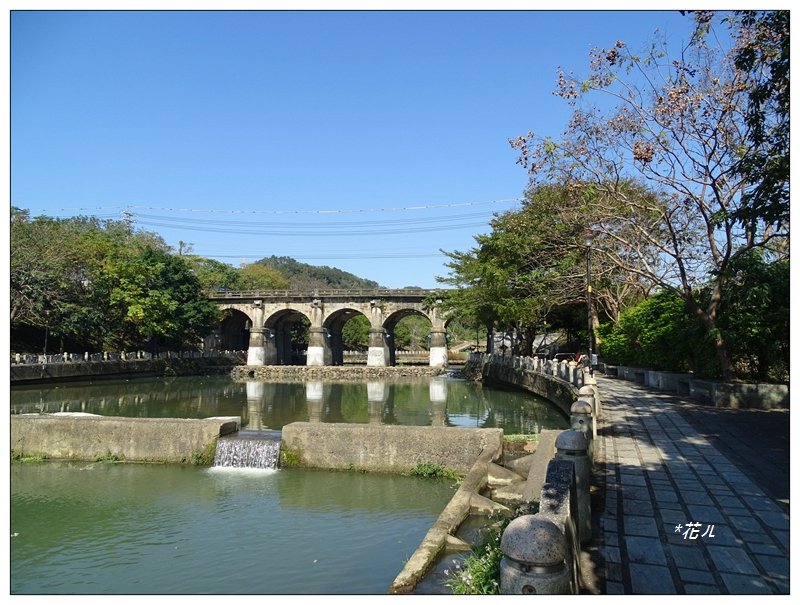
(290, 212)
(329, 233)
(343, 256)
(323, 225)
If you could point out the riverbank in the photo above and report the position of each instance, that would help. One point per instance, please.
(94, 370)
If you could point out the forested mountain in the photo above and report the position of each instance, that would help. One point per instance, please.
(303, 276)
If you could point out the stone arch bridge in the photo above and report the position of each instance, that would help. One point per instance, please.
(265, 322)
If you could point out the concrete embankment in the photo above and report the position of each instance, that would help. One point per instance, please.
(92, 370)
(387, 448)
(504, 372)
(89, 437)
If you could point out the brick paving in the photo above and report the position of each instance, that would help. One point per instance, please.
(663, 463)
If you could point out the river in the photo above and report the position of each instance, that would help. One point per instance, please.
(101, 528)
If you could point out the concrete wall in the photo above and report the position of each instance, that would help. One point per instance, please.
(387, 448)
(87, 437)
(508, 372)
(30, 374)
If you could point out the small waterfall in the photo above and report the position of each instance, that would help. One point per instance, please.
(249, 449)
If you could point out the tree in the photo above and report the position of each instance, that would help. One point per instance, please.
(257, 276)
(756, 316)
(154, 298)
(762, 51)
(355, 333)
(677, 127)
(37, 268)
(659, 333)
(214, 275)
(534, 261)
(98, 283)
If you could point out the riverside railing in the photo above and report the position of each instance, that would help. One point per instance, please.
(542, 552)
(114, 356)
(569, 371)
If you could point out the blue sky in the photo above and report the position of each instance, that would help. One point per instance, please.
(366, 141)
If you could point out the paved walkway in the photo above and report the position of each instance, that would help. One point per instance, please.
(691, 499)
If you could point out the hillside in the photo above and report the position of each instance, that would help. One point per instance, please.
(303, 276)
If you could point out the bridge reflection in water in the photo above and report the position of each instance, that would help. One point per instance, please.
(263, 405)
(267, 324)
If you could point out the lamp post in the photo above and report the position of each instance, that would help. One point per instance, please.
(588, 241)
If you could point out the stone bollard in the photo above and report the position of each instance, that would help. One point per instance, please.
(572, 445)
(589, 393)
(535, 554)
(581, 420)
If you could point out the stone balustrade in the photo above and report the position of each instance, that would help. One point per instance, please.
(114, 356)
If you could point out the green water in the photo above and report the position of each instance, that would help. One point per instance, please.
(91, 528)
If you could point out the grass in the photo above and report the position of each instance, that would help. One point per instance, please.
(205, 457)
(32, 459)
(479, 574)
(291, 457)
(430, 470)
(108, 457)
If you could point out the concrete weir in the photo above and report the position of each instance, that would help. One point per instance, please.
(387, 448)
(78, 436)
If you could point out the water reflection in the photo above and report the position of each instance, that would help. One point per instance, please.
(436, 401)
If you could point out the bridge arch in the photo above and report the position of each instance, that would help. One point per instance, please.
(234, 330)
(390, 325)
(333, 326)
(285, 337)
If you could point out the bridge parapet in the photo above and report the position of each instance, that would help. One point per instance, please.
(337, 293)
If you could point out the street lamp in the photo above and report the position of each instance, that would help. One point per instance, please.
(587, 239)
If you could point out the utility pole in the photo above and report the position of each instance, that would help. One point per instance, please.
(127, 218)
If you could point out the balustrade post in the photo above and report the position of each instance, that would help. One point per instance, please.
(581, 420)
(588, 393)
(535, 555)
(572, 445)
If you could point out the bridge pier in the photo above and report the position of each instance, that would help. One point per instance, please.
(438, 349)
(319, 349)
(378, 354)
(256, 350)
